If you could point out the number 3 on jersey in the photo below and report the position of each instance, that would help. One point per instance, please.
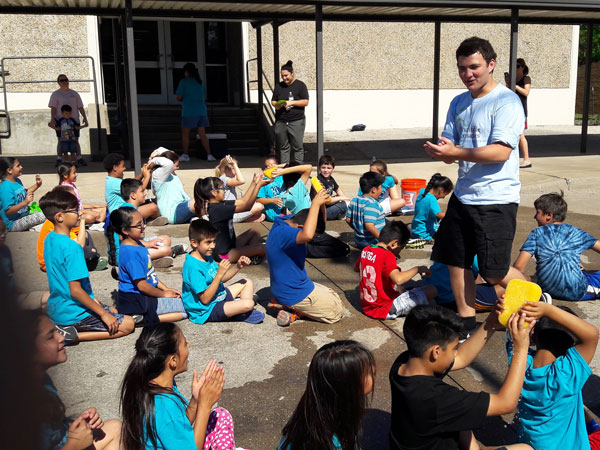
(370, 290)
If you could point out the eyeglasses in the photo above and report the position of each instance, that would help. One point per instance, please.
(74, 211)
(63, 80)
(220, 189)
(139, 226)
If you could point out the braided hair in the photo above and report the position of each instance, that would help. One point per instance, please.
(437, 180)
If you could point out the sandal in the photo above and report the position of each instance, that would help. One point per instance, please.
(525, 165)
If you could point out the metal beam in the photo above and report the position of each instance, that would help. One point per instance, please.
(514, 46)
(436, 81)
(586, 90)
(319, 67)
(259, 78)
(275, 25)
(132, 107)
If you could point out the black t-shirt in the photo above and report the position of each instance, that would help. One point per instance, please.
(298, 91)
(330, 185)
(220, 215)
(428, 414)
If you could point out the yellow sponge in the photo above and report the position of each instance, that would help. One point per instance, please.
(517, 293)
(318, 186)
(269, 172)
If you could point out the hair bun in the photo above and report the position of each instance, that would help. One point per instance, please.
(289, 63)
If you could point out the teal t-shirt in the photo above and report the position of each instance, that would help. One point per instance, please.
(173, 428)
(169, 195)
(425, 222)
(112, 193)
(197, 277)
(296, 198)
(193, 103)
(65, 263)
(388, 182)
(271, 190)
(11, 194)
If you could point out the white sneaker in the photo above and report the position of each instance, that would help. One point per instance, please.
(211, 158)
(184, 158)
(546, 298)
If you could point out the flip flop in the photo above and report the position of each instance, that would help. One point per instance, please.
(525, 166)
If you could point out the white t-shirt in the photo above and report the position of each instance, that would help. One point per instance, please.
(70, 97)
(476, 122)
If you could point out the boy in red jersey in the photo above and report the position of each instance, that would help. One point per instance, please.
(381, 293)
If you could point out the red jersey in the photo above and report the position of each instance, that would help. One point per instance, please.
(376, 289)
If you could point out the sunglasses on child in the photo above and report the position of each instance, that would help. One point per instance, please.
(63, 80)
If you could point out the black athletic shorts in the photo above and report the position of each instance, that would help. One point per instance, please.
(483, 230)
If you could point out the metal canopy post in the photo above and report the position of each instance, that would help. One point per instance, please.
(436, 82)
(132, 107)
(259, 78)
(275, 26)
(514, 43)
(586, 90)
(319, 55)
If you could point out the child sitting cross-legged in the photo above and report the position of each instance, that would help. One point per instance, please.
(365, 215)
(381, 293)
(428, 413)
(293, 292)
(389, 198)
(140, 291)
(71, 305)
(338, 206)
(294, 193)
(551, 405)
(205, 297)
(557, 247)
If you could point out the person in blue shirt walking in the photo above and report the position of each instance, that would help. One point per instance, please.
(155, 414)
(192, 95)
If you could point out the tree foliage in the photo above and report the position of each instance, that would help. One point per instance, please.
(583, 34)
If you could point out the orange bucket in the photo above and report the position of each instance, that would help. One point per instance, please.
(410, 190)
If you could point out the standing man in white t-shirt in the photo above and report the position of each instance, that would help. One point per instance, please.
(482, 133)
(66, 96)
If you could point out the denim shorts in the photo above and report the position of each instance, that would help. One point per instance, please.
(68, 147)
(194, 122)
(183, 213)
(218, 312)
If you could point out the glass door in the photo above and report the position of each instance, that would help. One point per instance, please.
(150, 61)
(183, 41)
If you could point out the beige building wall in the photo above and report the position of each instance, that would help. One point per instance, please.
(44, 35)
(381, 74)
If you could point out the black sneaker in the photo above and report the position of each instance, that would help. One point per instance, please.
(81, 162)
(179, 249)
(137, 319)
(58, 162)
(69, 332)
(256, 260)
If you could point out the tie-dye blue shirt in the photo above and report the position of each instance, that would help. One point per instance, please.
(557, 249)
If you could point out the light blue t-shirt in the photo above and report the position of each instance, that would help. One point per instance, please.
(64, 263)
(551, 404)
(335, 440)
(296, 198)
(135, 264)
(476, 122)
(425, 222)
(169, 195)
(173, 428)
(271, 190)
(197, 277)
(193, 103)
(388, 182)
(364, 209)
(557, 249)
(112, 193)
(11, 194)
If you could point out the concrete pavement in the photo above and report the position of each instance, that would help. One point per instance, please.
(266, 365)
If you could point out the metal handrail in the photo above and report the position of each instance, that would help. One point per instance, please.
(3, 74)
(267, 107)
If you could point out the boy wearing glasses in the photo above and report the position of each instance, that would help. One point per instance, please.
(66, 96)
(71, 305)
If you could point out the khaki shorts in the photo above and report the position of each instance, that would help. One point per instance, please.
(322, 305)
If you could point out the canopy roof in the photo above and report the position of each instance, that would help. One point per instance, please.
(530, 11)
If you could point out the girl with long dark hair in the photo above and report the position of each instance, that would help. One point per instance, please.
(427, 210)
(328, 416)
(155, 414)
